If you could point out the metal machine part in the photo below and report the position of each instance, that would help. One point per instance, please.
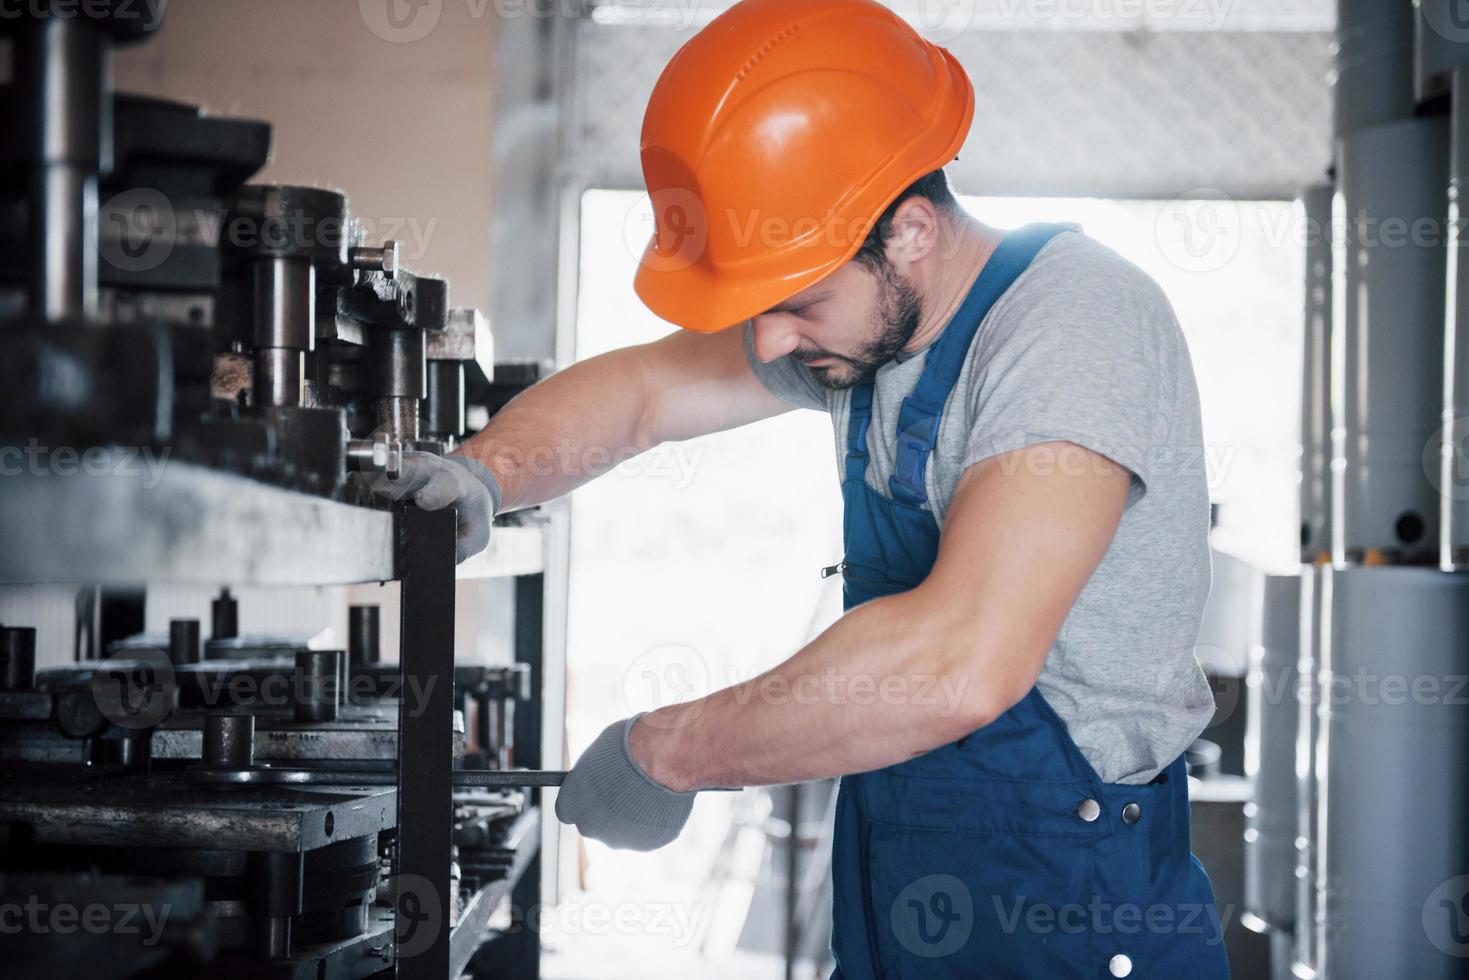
(364, 635)
(1440, 44)
(1313, 632)
(1395, 659)
(17, 658)
(183, 641)
(462, 778)
(1315, 495)
(1387, 339)
(229, 741)
(1270, 818)
(317, 688)
(1374, 64)
(224, 617)
(1453, 445)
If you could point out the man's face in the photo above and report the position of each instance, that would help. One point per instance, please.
(845, 327)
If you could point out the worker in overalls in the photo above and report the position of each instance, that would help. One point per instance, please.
(1010, 692)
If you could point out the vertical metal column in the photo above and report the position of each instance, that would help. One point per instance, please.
(1393, 845)
(1314, 634)
(425, 569)
(1454, 436)
(1387, 341)
(523, 944)
(1315, 494)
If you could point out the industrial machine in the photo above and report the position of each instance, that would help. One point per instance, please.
(1358, 835)
(224, 803)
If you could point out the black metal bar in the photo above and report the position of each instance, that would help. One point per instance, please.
(522, 945)
(530, 605)
(425, 567)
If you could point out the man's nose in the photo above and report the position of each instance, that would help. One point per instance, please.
(774, 339)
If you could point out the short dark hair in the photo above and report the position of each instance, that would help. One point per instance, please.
(934, 186)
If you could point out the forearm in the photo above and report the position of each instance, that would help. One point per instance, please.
(570, 428)
(891, 680)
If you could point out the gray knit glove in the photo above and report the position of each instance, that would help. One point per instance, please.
(435, 482)
(609, 798)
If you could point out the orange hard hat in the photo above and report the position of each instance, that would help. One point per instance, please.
(774, 140)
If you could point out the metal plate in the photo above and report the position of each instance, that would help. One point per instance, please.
(134, 519)
(170, 811)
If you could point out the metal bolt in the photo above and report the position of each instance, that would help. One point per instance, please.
(384, 259)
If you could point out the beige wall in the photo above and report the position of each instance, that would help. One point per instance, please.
(402, 126)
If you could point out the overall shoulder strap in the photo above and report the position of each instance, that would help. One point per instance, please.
(918, 421)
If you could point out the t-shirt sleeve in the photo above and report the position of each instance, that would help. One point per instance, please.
(787, 378)
(1086, 354)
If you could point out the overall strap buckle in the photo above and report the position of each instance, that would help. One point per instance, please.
(918, 426)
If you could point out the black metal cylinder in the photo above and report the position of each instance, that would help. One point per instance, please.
(183, 641)
(61, 70)
(317, 689)
(364, 631)
(224, 617)
(229, 741)
(285, 302)
(278, 880)
(396, 364)
(443, 411)
(17, 658)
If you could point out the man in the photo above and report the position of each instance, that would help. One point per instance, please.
(1026, 513)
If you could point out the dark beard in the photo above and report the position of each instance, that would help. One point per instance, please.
(899, 311)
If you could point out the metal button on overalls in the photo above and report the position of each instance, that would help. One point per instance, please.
(956, 864)
(1132, 813)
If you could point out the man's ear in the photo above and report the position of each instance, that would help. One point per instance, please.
(916, 231)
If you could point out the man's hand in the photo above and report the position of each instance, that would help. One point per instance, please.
(435, 482)
(608, 796)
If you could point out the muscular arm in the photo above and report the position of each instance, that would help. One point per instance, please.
(907, 673)
(596, 414)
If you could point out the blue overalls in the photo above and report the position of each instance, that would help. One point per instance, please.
(1003, 854)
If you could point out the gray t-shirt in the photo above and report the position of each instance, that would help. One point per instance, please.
(1083, 348)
